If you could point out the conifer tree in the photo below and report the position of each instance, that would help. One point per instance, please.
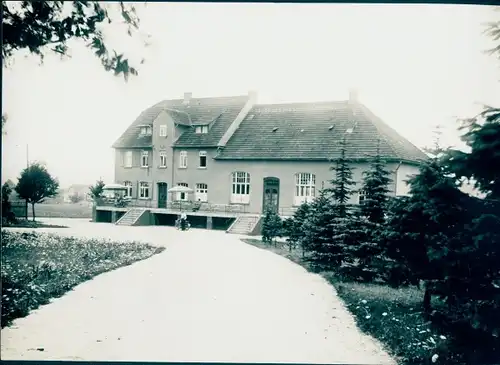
(342, 183)
(376, 189)
(295, 228)
(419, 230)
(317, 237)
(365, 226)
(271, 226)
(343, 233)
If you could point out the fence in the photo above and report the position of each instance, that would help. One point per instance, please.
(187, 206)
(19, 210)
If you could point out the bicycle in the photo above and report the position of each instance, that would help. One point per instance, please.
(179, 226)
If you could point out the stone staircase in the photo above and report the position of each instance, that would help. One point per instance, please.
(129, 218)
(244, 224)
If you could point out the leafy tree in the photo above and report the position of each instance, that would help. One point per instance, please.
(295, 226)
(96, 191)
(47, 26)
(376, 189)
(36, 184)
(7, 214)
(75, 198)
(271, 226)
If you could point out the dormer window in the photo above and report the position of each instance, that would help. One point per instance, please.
(201, 129)
(146, 130)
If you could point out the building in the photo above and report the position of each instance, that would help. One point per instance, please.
(240, 157)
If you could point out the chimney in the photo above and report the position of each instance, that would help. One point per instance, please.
(187, 98)
(252, 95)
(353, 96)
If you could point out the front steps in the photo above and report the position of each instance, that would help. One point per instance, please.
(244, 224)
(130, 217)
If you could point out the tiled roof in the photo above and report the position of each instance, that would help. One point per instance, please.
(221, 111)
(313, 131)
(218, 113)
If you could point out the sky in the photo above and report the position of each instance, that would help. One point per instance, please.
(415, 66)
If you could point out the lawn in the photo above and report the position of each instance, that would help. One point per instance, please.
(23, 223)
(393, 316)
(63, 210)
(37, 267)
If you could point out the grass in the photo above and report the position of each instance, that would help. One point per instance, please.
(23, 223)
(37, 267)
(63, 210)
(392, 316)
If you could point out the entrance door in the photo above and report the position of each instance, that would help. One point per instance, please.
(162, 195)
(271, 194)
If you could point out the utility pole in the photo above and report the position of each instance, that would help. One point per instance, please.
(27, 166)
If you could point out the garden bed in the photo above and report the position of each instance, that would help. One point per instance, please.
(392, 316)
(37, 267)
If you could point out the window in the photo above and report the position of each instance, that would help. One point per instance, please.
(201, 192)
(144, 190)
(203, 159)
(146, 130)
(183, 160)
(128, 185)
(163, 159)
(201, 129)
(127, 159)
(182, 196)
(361, 197)
(145, 159)
(240, 187)
(305, 188)
(163, 130)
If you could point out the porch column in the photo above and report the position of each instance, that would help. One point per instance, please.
(209, 223)
(113, 216)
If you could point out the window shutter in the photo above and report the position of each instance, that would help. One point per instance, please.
(151, 190)
(136, 195)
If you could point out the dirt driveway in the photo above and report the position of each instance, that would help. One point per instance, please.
(207, 297)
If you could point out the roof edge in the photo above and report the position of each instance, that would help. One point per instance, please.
(325, 159)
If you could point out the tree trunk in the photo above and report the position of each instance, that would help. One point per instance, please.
(33, 210)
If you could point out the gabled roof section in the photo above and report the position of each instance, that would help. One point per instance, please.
(220, 111)
(313, 131)
(217, 113)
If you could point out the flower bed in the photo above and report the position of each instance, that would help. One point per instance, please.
(37, 267)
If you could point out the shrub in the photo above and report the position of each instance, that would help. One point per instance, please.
(272, 226)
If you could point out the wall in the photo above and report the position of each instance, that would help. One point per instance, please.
(217, 176)
(153, 174)
(404, 173)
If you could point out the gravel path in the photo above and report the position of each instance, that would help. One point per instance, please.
(207, 298)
